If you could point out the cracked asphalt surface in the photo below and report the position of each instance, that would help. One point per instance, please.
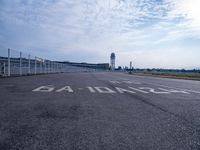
(97, 111)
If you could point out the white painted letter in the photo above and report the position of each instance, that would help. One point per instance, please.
(153, 90)
(121, 90)
(66, 88)
(174, 91)
(48, 88)
(104, 90)
(91, 89)
(138, 90)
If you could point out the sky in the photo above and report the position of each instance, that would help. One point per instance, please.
(151, 33)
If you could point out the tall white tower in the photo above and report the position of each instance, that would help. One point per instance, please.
(112, 61)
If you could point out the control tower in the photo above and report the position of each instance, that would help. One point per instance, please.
(112, 61)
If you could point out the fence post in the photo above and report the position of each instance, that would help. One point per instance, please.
(50, 66)
(4, 68)
(56, 67)
(8, 62)
(40, 66)
(45, 71)
(53, 66)
(20, 64)
(64, 66)
(29, 64)
(35, 65)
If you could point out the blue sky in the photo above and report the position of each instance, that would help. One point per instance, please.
(151, 33)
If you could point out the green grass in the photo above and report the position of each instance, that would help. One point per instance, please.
(176, 75)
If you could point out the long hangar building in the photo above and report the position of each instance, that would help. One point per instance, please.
(101, 66)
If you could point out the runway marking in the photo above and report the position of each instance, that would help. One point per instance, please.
(154, 91)
(66, 88)
(104, 90)
(122, 90)
(139, 90)
(124, 81)
(193, 91)
(185, 91)
(91, 89)
(174, 91)
(115, 82)
(47, 88)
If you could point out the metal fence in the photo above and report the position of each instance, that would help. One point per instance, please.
(14, 63)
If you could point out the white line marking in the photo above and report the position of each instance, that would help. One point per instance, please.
(139, 90)
(153, 90)
(197, 92)
(47, 88)
(124, 81)
(122, 90)
(104, 90)
(115, 82)
(91, 89)
(131, 82)
(66, 88)
(173, 91)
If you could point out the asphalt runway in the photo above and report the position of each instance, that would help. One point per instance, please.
(97, 111)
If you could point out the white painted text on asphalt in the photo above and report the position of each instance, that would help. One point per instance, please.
(107, 90)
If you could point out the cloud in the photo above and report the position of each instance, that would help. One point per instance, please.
(95, 28)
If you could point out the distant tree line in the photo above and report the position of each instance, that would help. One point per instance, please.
(169, 70)
(160, 70)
